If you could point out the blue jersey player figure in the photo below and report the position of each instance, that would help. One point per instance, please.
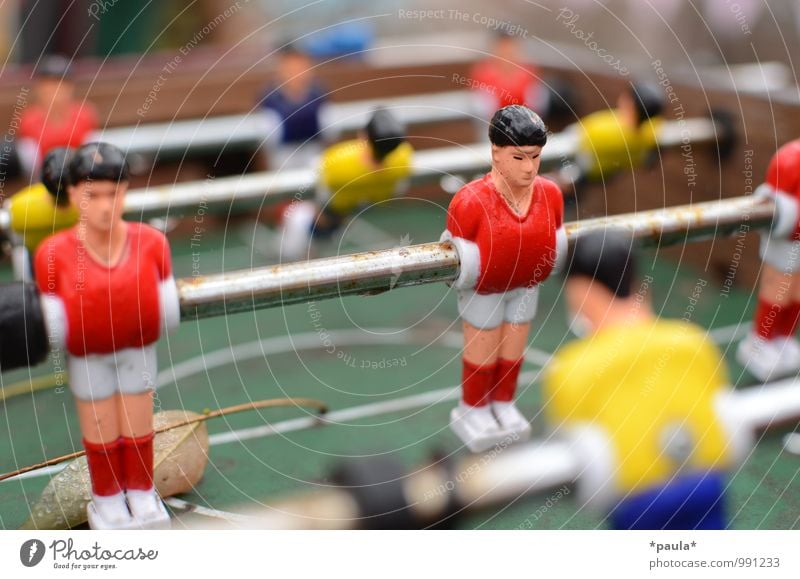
(294, 105)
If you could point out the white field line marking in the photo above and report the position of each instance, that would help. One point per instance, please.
(282, 344)
(188, 507)
(340, 417)
(310, 340)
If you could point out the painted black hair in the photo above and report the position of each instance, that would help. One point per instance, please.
(55, 169)
(648, 98)
(385, 133)
(98, 162)
(607, 256)
(517, 126)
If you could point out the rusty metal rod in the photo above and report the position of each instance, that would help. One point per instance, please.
(378, 271)
(254, 190)
(504, 474)
(257, 189)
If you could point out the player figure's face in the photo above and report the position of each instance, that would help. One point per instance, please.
(54, 92)
(518, 166)
(626, 108)
(100, 203)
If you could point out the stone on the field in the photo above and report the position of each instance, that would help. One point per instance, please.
(180, 458)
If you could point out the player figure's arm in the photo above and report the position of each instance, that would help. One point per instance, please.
(168, 297)
(555, 197)
(55, 315)
(783, 177)
(463, 222)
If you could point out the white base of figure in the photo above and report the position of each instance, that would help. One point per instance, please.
(512, 422)
(106, 513)
(766, 359)
(476, 426)
(148, 510)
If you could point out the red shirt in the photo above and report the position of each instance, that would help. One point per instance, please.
(517, 87)
(516, 251)
(107, 308)
(71, 131)
(783, 174)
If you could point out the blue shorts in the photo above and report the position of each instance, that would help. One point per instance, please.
(692, 501)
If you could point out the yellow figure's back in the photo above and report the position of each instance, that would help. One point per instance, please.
(35, 216)
(351, 180)
(638, 383)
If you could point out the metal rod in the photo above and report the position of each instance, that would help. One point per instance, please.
(254, 190)
(498, 477)
(257, 189)
(378, 271)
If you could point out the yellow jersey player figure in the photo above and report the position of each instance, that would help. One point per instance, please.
(638, 398)
(619, 139)
(40, 210)
(372, 168)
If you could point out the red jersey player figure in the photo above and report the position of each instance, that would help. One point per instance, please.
(112, 283)
(507, 229)
(56, 118)
(770, 350)
(505, 79)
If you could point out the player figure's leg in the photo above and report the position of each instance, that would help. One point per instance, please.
(137, 367)
(92, 383)
(770, 351)
(472, 420)
(520, 308)
(513, 341)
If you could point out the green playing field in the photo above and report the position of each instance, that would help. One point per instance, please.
(387, 366)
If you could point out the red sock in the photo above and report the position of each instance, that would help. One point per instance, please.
(105, 466)
(137, 460)
(789, 317)
(505, 380)
(476, 383)
(765, 321)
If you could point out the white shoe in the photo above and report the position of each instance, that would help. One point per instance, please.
(148, 510)
(511, 421)
(791, 348)
(767, 359)
(476, 426)
(106, 513)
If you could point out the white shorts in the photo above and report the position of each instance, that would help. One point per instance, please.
(100, 376)
(781, 254)
(488, 311)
